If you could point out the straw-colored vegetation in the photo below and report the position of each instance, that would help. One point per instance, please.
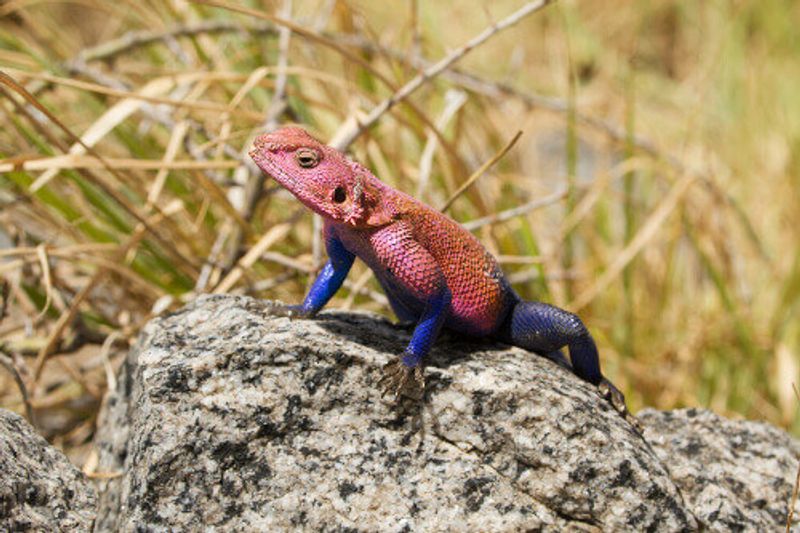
(654, 188)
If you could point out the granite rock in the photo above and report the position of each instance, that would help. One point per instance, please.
(227, 417)
(40, 490)
(734, 475)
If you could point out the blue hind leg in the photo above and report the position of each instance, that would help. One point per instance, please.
(545, 329)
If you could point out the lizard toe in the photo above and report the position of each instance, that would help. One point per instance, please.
(400, 380)
(617, 400)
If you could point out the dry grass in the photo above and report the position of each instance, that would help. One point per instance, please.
(654, 187)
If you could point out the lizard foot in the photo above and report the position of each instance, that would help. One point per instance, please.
(289, 311)
(617, 400)
(401, 380)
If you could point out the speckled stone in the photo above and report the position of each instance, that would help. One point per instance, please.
(735, 475)
(227, 417)
(40, 490)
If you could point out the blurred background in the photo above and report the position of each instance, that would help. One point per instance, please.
(653, 189)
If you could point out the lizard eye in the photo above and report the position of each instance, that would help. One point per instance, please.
(307, 158)
(339, 195)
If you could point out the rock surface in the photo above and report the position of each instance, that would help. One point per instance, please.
(40, 490)
(733, 475)
(225, 416)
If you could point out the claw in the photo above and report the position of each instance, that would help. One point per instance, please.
(401, 380)
(617, 400)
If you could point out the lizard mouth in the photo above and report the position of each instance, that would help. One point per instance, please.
(266, 154)
(268, 164)
(271, 164)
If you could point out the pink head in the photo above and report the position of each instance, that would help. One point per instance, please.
(320, 176)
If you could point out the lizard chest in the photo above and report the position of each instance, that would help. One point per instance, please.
(415, 261)
(404, 269)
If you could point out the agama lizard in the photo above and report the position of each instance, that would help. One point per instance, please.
(434, 272)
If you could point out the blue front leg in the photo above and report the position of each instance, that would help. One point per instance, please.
(328, 281)
(427, 328)
(403, 376)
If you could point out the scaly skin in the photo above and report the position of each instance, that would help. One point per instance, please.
(434, 272)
